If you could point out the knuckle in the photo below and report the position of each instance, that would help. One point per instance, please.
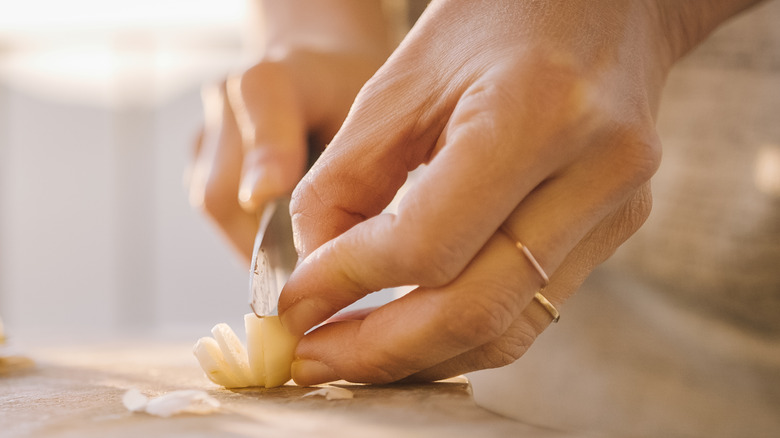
(639, 157)
(630, 148)
(478, 318)
(616, 228)
(472, 326)
(506, 350)
(558, 86)
(301, 195)
(574, 104)
(259, 73)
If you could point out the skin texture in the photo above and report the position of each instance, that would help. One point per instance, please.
(536, 115)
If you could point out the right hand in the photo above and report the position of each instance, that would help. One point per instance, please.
(253, 146)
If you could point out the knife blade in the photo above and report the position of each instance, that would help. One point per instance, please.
(273, 257)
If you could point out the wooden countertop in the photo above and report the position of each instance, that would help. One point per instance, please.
(76, 391)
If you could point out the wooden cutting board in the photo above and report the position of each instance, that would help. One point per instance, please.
(76, 391)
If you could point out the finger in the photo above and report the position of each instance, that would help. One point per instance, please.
(440, 226)
(389, 130)
(399, 122)
(433, 236)
(593, 250)
(417, 333)
(196, 174)
(215, 175)
(421, 328)
(273, 131)
(353, 315)
(509, 347)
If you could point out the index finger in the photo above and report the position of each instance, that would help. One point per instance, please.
(423, 328)
(469, 188)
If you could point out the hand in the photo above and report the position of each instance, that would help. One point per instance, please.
(535, 115)
(253, 147)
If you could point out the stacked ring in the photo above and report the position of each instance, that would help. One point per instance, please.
(548, 306)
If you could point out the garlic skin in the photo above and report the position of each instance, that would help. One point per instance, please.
(134, 401)
(331, 393)
(188, 401)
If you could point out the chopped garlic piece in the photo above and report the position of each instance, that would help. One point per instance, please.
(331, 393)
(265, 362)
(210, 357)
(234, 353)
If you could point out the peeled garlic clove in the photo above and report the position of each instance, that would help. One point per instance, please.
(234, 353)
(254, 347)
(210, 357)
(278, 350)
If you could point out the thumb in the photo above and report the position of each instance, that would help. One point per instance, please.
(273, 133)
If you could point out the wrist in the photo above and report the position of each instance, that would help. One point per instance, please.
(686, 23)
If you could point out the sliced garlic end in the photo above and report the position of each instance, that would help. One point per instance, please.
(234, 353)
(210, 357)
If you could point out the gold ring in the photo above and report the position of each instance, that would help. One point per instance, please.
(548, 306)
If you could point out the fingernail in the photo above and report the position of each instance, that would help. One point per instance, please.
(306, 372)
(301, 316)
(246, 190)
(257, 186)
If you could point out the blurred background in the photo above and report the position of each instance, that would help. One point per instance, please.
(99, 104)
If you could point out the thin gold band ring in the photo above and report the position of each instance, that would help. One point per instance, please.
(548, 306)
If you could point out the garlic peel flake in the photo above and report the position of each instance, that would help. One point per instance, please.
(134, 401)
(190, 401)
(331, 393)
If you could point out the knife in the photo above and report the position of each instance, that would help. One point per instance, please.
(273, 257)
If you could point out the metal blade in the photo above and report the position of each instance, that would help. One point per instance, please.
(273, 258)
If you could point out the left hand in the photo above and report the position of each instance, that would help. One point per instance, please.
(536, 115)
